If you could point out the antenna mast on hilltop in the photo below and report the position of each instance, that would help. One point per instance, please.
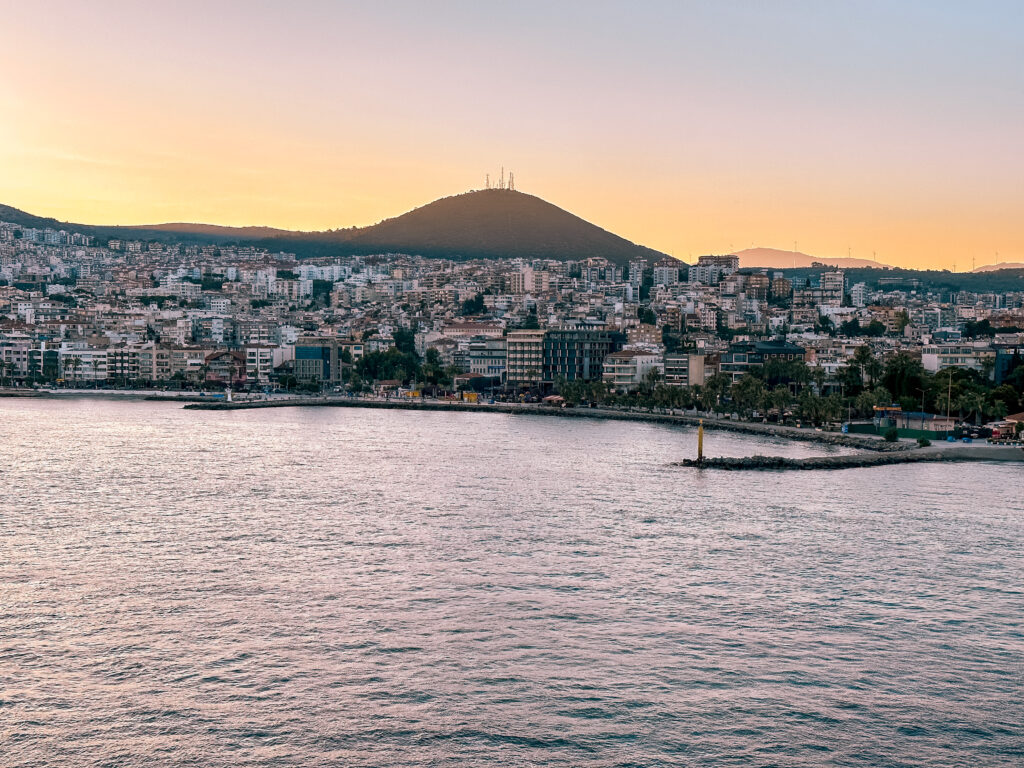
(501, 183)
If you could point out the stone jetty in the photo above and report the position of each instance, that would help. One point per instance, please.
(864, 459)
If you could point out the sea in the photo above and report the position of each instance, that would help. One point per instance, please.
(354, 587)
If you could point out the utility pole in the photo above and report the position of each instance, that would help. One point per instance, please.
(949, 395)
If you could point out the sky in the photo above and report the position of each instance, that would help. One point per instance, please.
(892, 130)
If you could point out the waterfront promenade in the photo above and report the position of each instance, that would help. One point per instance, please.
(691, 419)
(872, 450)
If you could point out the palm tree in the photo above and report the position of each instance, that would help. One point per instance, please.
(75, 363)
(862, 355)
(988, 365)
(998, 410)
(818, 375)
(748, 393)
(972, 402)
(712, 391)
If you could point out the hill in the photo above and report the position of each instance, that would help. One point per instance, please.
(22, 219)
(998, 267)
(491, 223)
(773, 258)
(213, 230)
(159, 232)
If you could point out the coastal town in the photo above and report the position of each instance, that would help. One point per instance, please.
(804, 346)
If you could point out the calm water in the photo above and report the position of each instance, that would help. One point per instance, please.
(354, 588)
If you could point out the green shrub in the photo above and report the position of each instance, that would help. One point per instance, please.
(892, 435)
(924, 442)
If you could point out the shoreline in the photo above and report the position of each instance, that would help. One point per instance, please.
(872, 450)
(862, 442)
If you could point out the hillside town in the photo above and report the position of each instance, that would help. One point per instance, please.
(79, 313)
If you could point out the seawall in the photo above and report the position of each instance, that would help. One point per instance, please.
(995, 453)
(873, 444)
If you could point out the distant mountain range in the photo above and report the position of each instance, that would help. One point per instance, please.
(773, 258)
(491, 223)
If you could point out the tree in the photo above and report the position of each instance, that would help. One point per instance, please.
(647, 316)
(850, 328)
(780, 399)
(867, 400)
(651, 378)
(433, 369)
(868, 363)
(713, 390)
(973, 330)
(75, 363)
(818, 374)
(988, 365)
(405, 341)
(572, 391)
(598, 392)
(904, 376)
(530, 322)
(390, 364)
(790, 372)
(851, 378)
(448, 377)
(670, 339)
(825, 325)
(861, 355)
(1008, 395)
(473, 306)
(873, 370)
(748, 393)
(946, 394)
(998, 410)
(875, 328)
(972, 402)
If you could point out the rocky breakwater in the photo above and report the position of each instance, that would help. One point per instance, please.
(896, 454)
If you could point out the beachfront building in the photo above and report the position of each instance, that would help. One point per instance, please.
(627, 369)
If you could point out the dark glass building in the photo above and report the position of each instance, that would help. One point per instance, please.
(578, 355)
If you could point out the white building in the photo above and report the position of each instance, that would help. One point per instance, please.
(628, 368)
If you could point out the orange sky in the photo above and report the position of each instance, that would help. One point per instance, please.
(691, 128)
